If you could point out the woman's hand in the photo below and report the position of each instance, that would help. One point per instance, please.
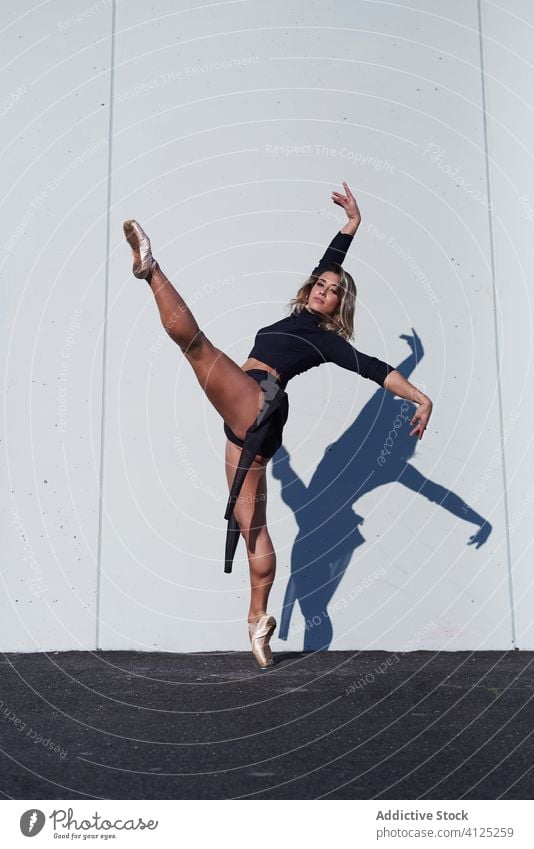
(422, 415)
(348, 202)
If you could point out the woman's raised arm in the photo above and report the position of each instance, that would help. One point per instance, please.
(338, 247)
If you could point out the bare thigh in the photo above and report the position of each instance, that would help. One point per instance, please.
(235, 395)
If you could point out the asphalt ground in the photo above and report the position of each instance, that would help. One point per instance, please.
(316, 725)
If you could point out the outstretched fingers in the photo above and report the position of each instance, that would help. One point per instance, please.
(347, 201)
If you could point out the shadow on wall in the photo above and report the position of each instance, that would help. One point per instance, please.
(373, 451)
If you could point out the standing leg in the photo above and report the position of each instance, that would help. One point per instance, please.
(250, 510)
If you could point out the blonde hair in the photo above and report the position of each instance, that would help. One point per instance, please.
(342, 321)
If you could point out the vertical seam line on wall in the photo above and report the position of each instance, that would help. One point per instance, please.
(496, 326)
(105, 330)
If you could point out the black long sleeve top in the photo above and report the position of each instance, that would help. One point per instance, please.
(296, 343)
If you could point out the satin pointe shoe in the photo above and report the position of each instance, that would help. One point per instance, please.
(260, 633)
(143, 261)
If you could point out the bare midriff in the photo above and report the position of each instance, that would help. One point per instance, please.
(252, 363)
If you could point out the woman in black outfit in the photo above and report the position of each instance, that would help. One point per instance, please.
(252, 400)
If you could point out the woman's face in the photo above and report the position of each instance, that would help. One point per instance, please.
(325, 295)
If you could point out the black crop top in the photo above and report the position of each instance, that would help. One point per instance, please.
(296, 343)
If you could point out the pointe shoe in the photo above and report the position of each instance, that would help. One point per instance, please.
(144, 262)
(260, 633)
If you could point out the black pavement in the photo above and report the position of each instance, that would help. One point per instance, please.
(333, 725)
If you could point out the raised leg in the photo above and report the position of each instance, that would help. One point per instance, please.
(234, 394)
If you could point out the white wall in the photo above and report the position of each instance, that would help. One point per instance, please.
(55, 146)
(508, 64)
(387, 97)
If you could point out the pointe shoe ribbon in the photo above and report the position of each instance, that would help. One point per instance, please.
(260, 633)
(144, 262)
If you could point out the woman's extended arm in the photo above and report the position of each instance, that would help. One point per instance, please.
(397, 384)
(338, 247)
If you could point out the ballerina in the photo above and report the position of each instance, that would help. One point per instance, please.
(251, 398)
